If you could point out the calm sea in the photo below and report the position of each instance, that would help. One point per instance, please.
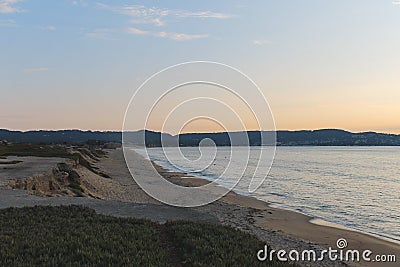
(357, 187)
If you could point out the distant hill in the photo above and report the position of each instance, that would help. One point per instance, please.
(62, 136)
(325, 137)
(334, 137)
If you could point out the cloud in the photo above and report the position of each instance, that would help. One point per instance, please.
(169, 35)
(139, 13)
(137, 31)
(397, 2)
(153, 21)
(202, 14)
(7, 6)
(79, 3)
(180, 36)
(155, 16)
(35, 69)
(261, 42)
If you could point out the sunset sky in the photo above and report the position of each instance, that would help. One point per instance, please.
(321, 64)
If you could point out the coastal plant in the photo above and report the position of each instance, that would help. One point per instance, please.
(78, 236)
(215, 245)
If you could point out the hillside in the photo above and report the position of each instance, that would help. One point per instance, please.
(324, 137)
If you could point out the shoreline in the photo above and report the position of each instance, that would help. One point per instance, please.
(300, 225)
(313, 220)
(322, 222)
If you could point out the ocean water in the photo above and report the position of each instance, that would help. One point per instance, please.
(356, 187)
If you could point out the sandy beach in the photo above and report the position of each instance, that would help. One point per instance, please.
(281, 229)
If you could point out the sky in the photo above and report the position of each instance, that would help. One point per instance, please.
(320, 64)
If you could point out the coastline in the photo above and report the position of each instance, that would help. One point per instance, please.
(298, 225)
(314, 220)
(119, 195)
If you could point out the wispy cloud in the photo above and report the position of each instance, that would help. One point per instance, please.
(180, 36)
(153, 21)
(156, 16)
(8, 6)
(35, 69)
(169, 35)
(261, 42)
(201, 14)
(139, 13)
(137, 31)
(397, 2)
(79, 3)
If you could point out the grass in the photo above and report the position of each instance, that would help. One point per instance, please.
(77, 236)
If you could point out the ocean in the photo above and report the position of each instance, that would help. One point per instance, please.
(355, 187)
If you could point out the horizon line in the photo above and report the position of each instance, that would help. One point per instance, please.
(120, 131)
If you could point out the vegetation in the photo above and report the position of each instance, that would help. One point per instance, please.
(324, 137)
(26, 150)
(77, 236)
(211, 245)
